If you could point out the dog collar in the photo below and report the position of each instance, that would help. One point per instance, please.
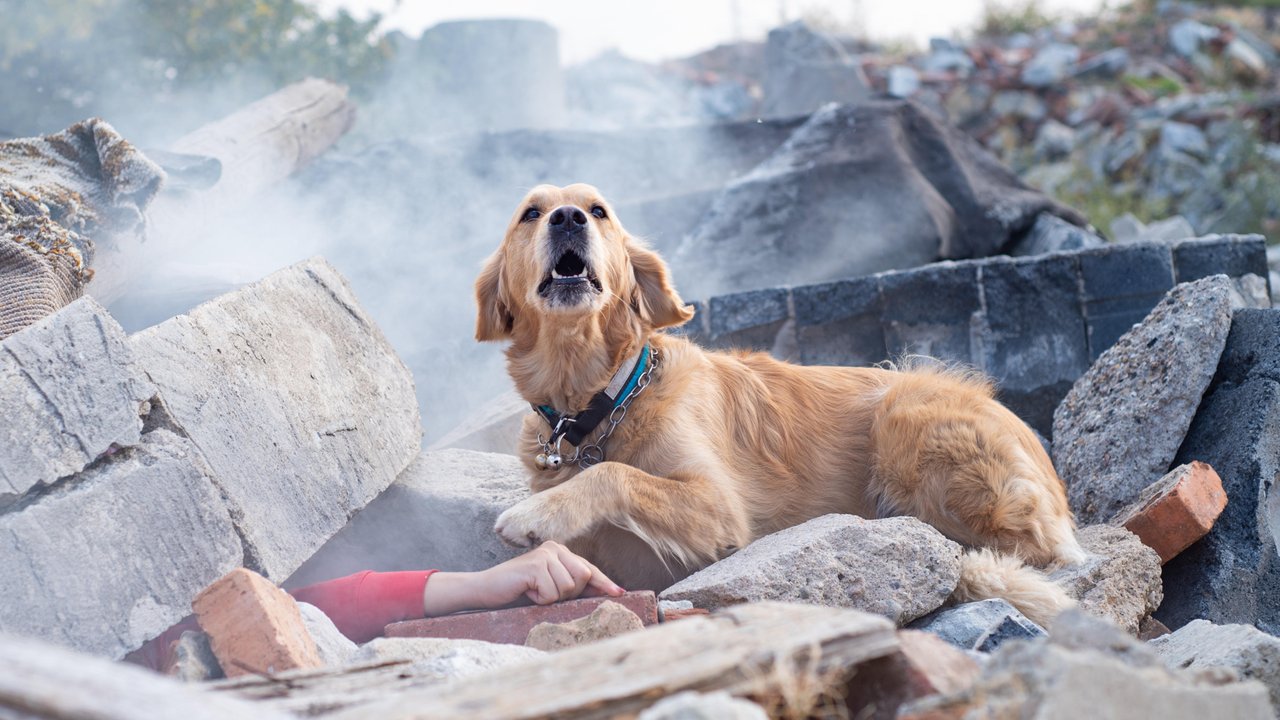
(575, 428)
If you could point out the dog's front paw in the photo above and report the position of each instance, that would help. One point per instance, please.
(532, 522)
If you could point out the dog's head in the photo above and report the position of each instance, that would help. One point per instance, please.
(565, 255)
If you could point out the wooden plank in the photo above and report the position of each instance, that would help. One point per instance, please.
(752, 649)
(38, 680)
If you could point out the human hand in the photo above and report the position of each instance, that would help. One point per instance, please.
(545, 575)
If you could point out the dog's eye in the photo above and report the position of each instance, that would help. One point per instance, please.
(530, 214)
(599, 212)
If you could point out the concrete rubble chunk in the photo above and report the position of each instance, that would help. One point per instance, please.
(1176, 510)
(296, 399)
(41, 680)
(805, 70)
(1253, 654)
(114, 557)
(899, 568)
(690, 705)
(981, 625)
(1096, 672)
(1121, 425)
(333, 648)
(69, 392)
(1120, 580)
(438, 514)
(1232, 574)
(513, 625)
(254, 627)
(606, 621)
(447, 658)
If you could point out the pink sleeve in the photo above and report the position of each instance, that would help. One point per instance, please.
(361, 605)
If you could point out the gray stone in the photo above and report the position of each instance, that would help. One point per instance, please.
(1186, 36)
(1127, 228)
(1054, 141)
(1053, 234)
(805, 70)
(1127, 148)
(606, 621)
(1019, 104)
(903, 81)
(1184, 138)
(896, 567)
(493, 427)
(114, 556)
(1169, 231)
(69, 391)
(1076, 629)
(1246, 59)
(948, 60)
(194, 660)
(1092, 673)
(690, 705)
(1120, 580)
(445, 658)
(1051, 64)
(1107, 64)
(1120, 427)
(980, 626)
(438, 514)
(1253, 654)
(334, 648)
(1232, 575)
(297, 401)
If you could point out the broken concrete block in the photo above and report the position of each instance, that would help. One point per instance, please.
(493, 427)
(1120, 580)
(255, 628)
(438, 514)
(606, 621)
(333, 648)
(924, 665)
(1094, 673)
(41, 680)
(296, 399)
(690, 705)
(1253, 654)
(446, 658)
(1177, 510)
(69, 392)
(896, 567)
(512, 625)
(1232, 575)
(981, 625)
(1121, 425)
(112, 557)
(805, 70)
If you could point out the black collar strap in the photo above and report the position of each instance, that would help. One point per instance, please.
(576, 427)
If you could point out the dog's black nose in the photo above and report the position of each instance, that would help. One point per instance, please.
(567, 218)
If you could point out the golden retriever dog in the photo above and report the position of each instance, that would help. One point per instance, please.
(707, 451)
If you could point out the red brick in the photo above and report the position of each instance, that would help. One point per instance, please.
(254, 626)
(512, 625)
(1177, 510)
(672, 615)
(924, 665)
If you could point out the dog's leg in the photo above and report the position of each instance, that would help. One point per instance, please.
(684, 518)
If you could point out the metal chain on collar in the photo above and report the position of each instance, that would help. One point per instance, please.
(593, 453)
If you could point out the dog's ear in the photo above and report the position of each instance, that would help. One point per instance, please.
(494, 318)
(653, 296)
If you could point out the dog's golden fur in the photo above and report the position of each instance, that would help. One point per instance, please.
(724, 447)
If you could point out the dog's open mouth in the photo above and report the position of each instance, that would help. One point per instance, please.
(569, 277)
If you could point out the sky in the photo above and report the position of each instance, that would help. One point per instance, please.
(659, 29)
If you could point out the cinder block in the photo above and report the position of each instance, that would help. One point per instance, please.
(69, 391)
(298, 402)
(930, 310)
(1232, 255)
(749, 319)
(1121, 284)
(114, 559)
(1177, 510)
(838, 323)
(512, 625)
(254, 627)
(1034, 338)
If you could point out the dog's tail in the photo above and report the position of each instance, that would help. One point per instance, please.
(986, 574)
